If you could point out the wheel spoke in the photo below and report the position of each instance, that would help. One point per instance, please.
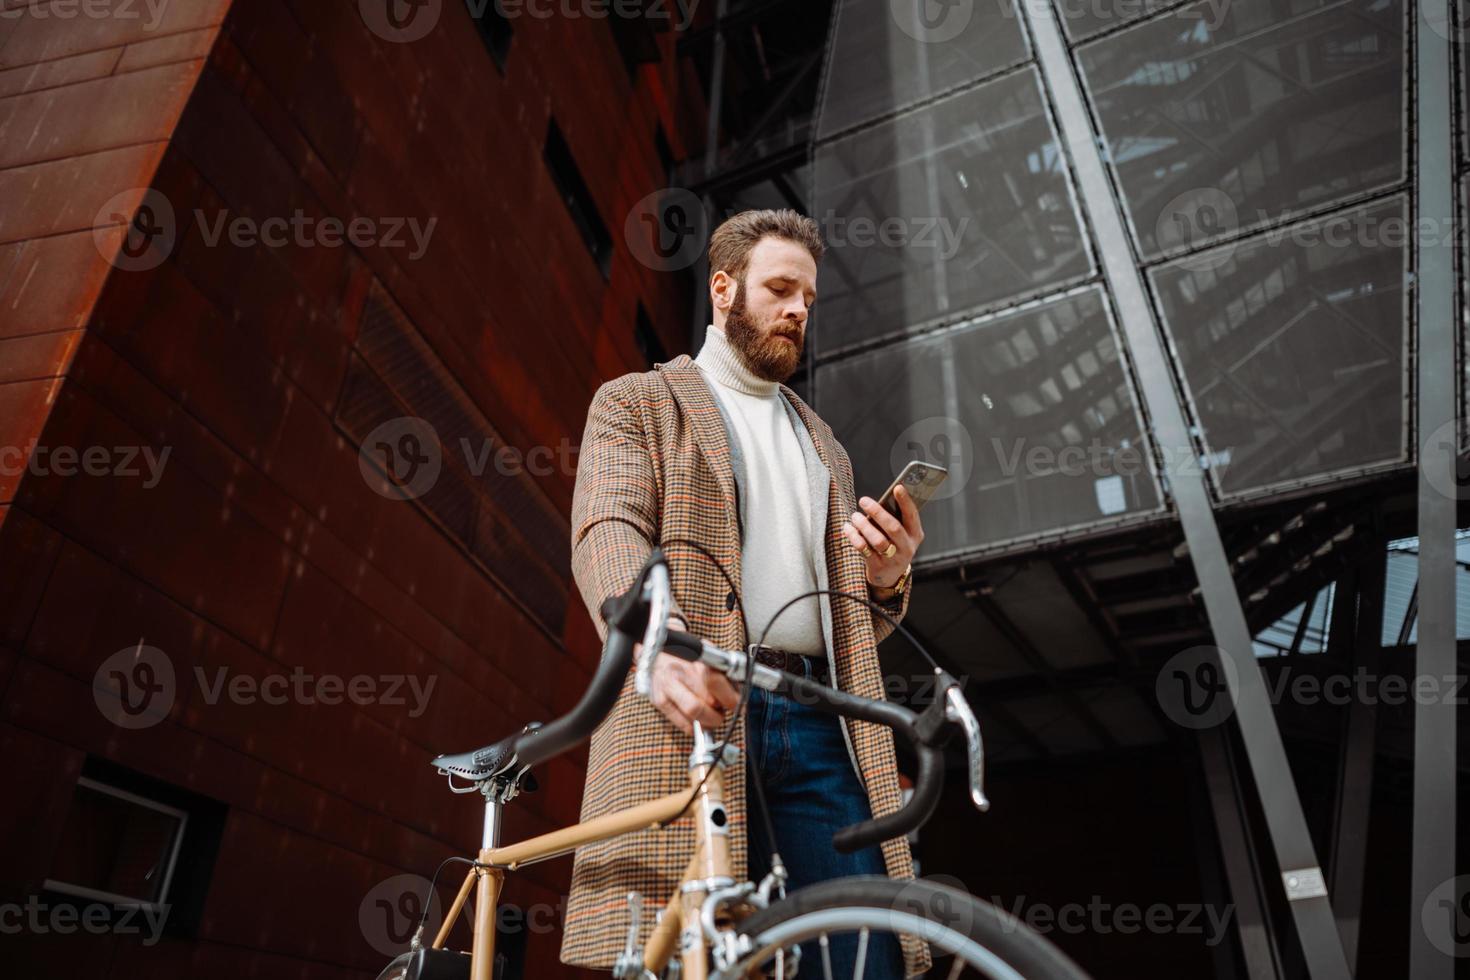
(826, 957)
(862, 954)
(954, 971)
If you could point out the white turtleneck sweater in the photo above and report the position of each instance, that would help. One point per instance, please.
(776, 554)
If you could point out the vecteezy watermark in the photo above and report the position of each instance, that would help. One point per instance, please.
(400, 21)
(668, 229)
(932, 21)
(405, 21)
(301, 687)
(137, 688)
(402, 459)
(941, 440)
(663, 13)
(65, 918)
(943, 899)
(391, 911)
(893, 231)
(1445, 916)
(1196, 689)
(153, 230)
(1454, 481)
(153, 10)
(127, 462)
(1099, 917)
(1199, 217)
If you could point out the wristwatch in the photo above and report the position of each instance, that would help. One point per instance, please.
(899, 586)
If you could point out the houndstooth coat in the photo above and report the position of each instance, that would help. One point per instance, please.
(656, 465)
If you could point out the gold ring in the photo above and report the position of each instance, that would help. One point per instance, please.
(892, 550)
(866, 551)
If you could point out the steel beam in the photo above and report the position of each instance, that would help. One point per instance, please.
(1301, 875)
(1432, 935)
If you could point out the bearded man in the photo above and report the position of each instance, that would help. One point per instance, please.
(717, 450)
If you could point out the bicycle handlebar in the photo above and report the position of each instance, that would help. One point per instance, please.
(627, 617)
(927, 732)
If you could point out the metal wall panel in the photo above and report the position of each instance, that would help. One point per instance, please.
(1030, 410)
(1292, 346)
(956, 206)
(1248, 114)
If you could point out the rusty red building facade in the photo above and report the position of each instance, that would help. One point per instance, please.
(249, 367)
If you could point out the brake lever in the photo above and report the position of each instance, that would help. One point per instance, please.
(655, 633)
(956, 709)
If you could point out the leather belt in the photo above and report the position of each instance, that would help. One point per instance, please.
(793, 663)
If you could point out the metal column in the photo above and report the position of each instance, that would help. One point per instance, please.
(1432, 936)
(1301, 874)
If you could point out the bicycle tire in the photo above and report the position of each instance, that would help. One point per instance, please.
(1007, 948)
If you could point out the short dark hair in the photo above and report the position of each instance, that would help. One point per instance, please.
(730, 245)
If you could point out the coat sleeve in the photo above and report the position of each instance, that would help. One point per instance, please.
(615, 501)
(895, 607)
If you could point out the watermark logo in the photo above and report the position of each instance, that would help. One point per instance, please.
(40, 918)
(1100, 917)
(1438, 20)
(667, 230)
(401, 459)
(154, 10)
(152, 230)
(938, 439)
(135, 688)
(391, 911)
(1445, 917)
(1456, 483)
(1192, 219)
(949, 904)
(128, 462)
(932, 21)
(400, 21)
(1194, 688)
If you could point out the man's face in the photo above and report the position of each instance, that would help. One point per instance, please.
(766, 320)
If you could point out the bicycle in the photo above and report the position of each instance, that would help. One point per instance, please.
(712, 927)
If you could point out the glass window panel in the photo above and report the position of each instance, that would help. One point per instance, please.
(885, 55)
(1026, 453)
(113, 844)
(1401, 585)
(1292, 346)
(955, 206)
(1255, 112)
(1084, 18)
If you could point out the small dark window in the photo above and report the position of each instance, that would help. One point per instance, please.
(665, 152)
(635, 41)
(647, 338)
(578, 198)
(140, 849)
(494, 28)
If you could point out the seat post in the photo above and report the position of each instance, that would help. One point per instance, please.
(490, 835)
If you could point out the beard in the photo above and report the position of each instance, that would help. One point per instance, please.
(763, 351)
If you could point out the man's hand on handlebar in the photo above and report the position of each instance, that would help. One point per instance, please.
(688, 692)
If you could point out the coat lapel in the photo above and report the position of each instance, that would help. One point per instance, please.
(697, 404)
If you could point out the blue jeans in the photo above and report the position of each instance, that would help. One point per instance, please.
(812, 792)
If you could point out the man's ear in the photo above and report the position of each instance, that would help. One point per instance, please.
(721, 290)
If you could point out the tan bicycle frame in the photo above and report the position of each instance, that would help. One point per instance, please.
(710, 862)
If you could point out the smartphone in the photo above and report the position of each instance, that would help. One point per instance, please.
(919, 479)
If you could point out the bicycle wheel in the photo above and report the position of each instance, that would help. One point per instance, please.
(967, 937)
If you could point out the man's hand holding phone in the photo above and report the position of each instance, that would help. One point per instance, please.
(887, 543)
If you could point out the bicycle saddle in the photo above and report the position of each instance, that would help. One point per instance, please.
(495, 760)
